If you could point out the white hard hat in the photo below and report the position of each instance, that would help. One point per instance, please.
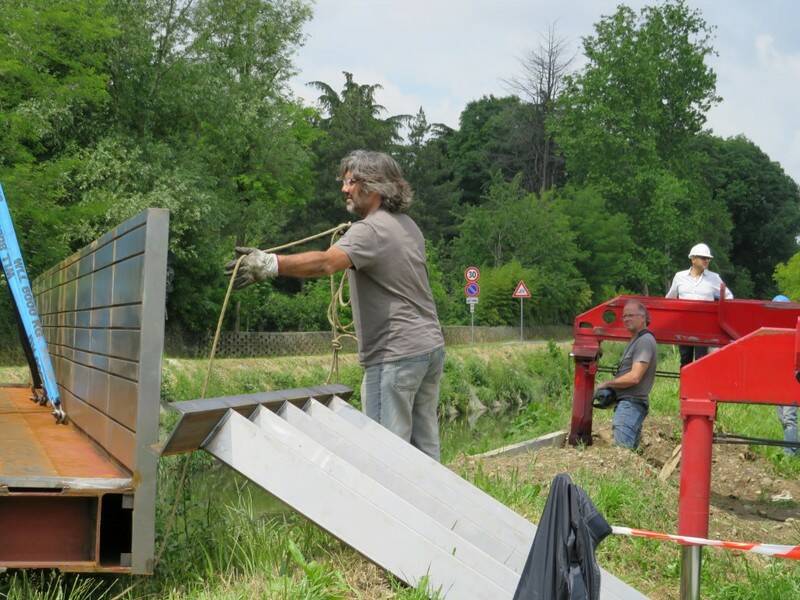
(700, 250)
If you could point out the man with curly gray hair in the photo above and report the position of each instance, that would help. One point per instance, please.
(400, 342)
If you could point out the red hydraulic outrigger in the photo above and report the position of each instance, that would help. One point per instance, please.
(759, 363)
(686, 322)
(762, 367)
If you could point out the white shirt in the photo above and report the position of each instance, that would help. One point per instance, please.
(705, 287)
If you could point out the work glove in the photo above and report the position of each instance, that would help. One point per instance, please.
(256, 266)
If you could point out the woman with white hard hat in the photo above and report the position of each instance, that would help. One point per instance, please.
(697, 283)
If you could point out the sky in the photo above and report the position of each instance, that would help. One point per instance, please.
(442, 54)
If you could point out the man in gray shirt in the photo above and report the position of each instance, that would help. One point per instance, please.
(635, 376)
(400, 342)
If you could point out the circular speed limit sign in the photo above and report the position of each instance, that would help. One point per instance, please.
(472, 274)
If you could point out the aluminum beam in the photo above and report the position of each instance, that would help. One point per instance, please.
(356, 509)
(456, 490)
(383, 497)
(414, 481)
(200, 417)
(502, 519)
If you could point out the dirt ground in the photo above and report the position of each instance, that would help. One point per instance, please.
(749, 502)
(743, 484)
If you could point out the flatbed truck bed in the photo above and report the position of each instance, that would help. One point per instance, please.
(62, 497)
(80, 495)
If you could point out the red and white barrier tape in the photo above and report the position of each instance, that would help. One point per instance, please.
(767, 549)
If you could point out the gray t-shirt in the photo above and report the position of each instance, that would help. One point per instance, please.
(393, 309)
(642, 348)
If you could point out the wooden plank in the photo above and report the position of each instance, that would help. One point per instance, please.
(554, 439)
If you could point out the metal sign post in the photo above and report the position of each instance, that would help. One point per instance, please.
(471, 323)
(472, 301)
(472, 290)
(521, 292)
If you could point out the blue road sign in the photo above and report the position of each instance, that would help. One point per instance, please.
(472, 289)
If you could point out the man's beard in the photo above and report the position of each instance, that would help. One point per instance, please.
(355, 206)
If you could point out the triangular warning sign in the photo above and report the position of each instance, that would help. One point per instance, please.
(521, 291)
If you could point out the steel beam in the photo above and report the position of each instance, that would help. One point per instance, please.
(684, 322)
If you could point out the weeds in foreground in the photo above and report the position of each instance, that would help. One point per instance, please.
(50, 585)
(422, 591)
(232, 541)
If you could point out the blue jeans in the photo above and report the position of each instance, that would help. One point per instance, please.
(627, 422)
(403, 396)
(788, 418)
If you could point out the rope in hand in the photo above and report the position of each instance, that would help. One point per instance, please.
(332, 307)
(339, 330)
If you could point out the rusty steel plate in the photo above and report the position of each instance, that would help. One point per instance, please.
(37, 452)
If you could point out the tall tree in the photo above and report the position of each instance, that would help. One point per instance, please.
(349, 120)
(764, 204)
(205, 126)
(642, 96)
(428, 169)
(54, 76)
(476, 148)
(626, 123)
(607, 250)
(513, 224)
(540, 84)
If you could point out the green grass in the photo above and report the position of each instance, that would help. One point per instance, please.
(231, 540)
(48, 585)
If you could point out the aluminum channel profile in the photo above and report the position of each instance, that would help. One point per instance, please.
(395, 505)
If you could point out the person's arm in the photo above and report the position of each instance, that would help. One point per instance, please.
(728, 293)
(314, 264)
(716, 286)
(256, 265)
(629, 379)
(673, 289)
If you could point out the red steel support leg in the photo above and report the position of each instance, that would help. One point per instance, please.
(581, 427)
(693, 505)
(698, 436)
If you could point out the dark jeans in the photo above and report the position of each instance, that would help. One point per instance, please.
(691, 353)
(627, 422)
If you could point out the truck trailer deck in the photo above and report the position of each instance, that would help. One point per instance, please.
(80, 495)
(62, 497)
